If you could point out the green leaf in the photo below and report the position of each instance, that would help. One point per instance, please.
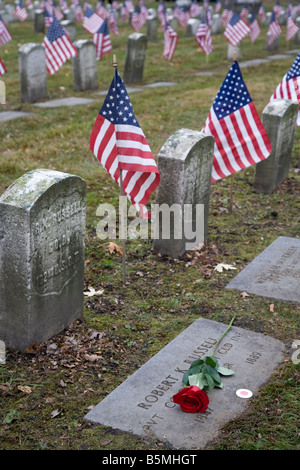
(211, 360)
(225, 371)
(212, 372)
(210, 382)
(190, 371)
(219, 385)
(198, 362)
(199, 380)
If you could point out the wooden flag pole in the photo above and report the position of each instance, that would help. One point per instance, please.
(122, 217)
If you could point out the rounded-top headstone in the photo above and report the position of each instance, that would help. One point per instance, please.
(42, 233)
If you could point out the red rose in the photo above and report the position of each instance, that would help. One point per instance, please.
(192, 399)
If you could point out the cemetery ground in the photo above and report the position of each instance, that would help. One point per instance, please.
(46, 391)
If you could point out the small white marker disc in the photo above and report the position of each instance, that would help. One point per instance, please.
(244, 393)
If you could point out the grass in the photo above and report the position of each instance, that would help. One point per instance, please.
(46, 391)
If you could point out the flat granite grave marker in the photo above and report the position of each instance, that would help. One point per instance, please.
(42, 249)
(71, 101)
(274, 274)
(143, 405)
(9, 115)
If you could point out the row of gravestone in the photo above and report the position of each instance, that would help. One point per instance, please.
(42, 226)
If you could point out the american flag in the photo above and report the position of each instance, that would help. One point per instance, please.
(47, 4)
(226, 16)
(218, 6)
(20, 11)
(91, 21)
(240, 138)
(170, 40)
(63, 5)
(2, 68)
(274, 29)
(261, 13)
(48, 18)
(125, 14)
(254, 28)
(203, 37)
(119, 143)
(277, 8)
(236, 29)
(101, 10)
(161, 10)
(102, 40)
(208, 11)
(195, 9)
(289, 87)
(244, 12)
(58, 47)
(4, 33)
(56, 12)
(183, 15)
(137, 20)
(79, 15)
(144, 10)
(113, 25)
(291, 28)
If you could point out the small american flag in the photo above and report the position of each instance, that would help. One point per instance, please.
(4, 33)
(144, 10)
(79, 15)
(101, 10)
(277, 8)
(244, 12)
(203, 37)
(195, 9)
(291, 28)
(289, 87)
(170, 40)
(58, 47)
(20, 11)
(240, 138)
(161, 10)
(261, 13)
(274, 29)
(113, 25)
(236, 29)
(137, 20)
(48, 18)
(226, 16)
(218, 6)
(208, 11)
(56, 12)
(119, 143)
(102, 40)
(2, 68)
(183, 15)
(254, 28)
(125, 14)
(91, 21)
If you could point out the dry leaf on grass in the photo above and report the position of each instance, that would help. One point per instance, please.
(221, 266)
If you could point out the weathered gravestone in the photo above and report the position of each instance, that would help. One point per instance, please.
(274, 45)
(274, 274)
(33, 72)
(234, 52)
(143, 405)
(70, 28)
(297, 35)
(85, 72)
(216, 26)
(185, 165)
(192, 27)
(152, 23)
(135, 58)
(279, 119)
(39, 21)
(42, 230)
